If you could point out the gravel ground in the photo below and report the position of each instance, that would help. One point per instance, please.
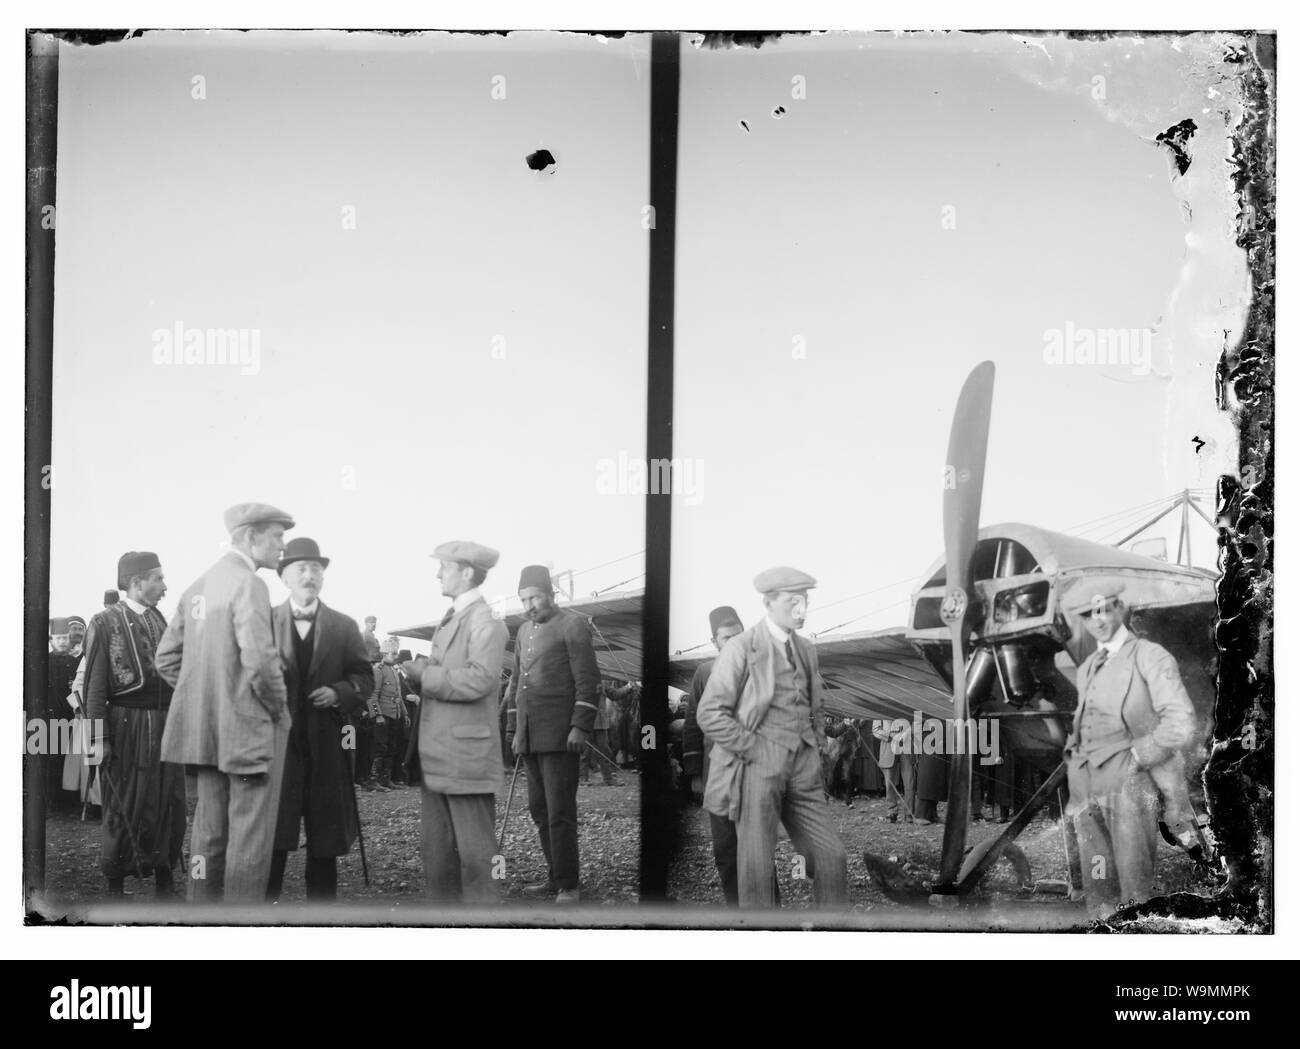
(608, 838)
(999, 901)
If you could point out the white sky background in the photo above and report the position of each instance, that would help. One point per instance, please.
(826, 225)
(376, 343)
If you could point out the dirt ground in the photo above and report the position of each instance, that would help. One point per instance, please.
(864, 827)
(609, 838)
(609, 819)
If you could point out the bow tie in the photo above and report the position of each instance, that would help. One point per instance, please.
(298, 614)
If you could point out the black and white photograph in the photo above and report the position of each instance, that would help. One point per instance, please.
(658, 479)
(345, 554)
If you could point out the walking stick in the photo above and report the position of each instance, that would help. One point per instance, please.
(509, 801)
(107, 781)
(602, 757)
(361, 838)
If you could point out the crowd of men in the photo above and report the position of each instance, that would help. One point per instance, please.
(280, 713)
(755, 731)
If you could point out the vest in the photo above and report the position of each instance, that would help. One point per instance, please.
(789, 718)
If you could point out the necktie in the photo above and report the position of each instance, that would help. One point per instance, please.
(1102, 655)
(789, 654)
(447, 617)
(298, 614)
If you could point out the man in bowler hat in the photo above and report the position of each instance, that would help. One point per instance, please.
(327, 676)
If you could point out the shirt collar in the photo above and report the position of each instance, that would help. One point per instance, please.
(312, 608)
(1117, 640)
(244, 557)
(466, 599)
(134, 606)
(780, 636)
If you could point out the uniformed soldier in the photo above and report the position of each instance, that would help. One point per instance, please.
(551, 708)
(762, 709)
(1133, 719)
(459, 760)
(388, 709)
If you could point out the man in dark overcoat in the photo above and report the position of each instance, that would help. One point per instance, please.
(327, 676)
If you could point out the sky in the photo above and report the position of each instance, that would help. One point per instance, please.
(917, 205)
(448, 343)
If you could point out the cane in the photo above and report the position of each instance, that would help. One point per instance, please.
(505, 822)
(107, 781)
(602, 757)
(361, 838)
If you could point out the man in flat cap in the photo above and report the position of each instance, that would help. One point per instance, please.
(459, 761)
(724, 624)
(229, 713)
(327, 676)
(551, 705)
(126, 702)
(1133, 719)
(762, 709)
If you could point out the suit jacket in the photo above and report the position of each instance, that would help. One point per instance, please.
(317, 738)
(741, 687)
(694, 747)
(555, 685)
(459, 749)
(1156, 719)
(219, 655)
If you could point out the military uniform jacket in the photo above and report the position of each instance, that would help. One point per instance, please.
(219, 655)
(742, 685)
(1136, 702)
(556, 683)
(317, 740)
(459, 748)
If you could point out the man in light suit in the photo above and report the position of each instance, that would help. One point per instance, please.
(896, 765)
(762, 709)
(229, 713)
(327, 676)
(1124, 751)
(459, 759)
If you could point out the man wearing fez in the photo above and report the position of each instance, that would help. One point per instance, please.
(551, 712)
(1124, 752)
(326, 676)
(762, 709)
(457, 743)
(229, 714)
(724, 624)
(126, 702)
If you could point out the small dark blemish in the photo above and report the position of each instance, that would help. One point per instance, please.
(778, 112)
(541, 160)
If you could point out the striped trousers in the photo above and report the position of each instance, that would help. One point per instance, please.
(786, 786)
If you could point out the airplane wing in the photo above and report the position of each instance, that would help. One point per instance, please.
(879, 674)
(615, 621)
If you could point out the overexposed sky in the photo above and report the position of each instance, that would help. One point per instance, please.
(928, 203)
(454, 365)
